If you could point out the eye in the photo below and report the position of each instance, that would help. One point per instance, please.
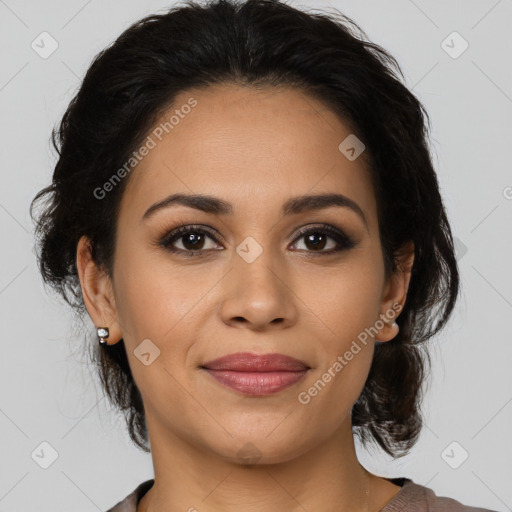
(191, 238)
(316, 239)
(194, 240)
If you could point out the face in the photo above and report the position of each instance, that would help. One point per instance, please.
(245, 278)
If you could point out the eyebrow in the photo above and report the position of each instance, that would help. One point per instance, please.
(293, 206)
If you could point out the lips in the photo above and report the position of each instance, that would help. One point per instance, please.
(249, 362)
(256, 375)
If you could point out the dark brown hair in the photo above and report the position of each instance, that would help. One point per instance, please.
(252, 43)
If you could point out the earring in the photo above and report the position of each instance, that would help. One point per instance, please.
(102, 334)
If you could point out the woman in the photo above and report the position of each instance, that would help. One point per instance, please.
(245, 206)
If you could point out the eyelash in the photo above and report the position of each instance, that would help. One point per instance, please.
(344, 241)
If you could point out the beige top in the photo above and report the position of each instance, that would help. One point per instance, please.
(411, 497)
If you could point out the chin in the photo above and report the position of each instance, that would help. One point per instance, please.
(260, 448)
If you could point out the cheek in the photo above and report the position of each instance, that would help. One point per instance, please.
(347, 312)
(153, 297)
(158, 303)
(351, 303)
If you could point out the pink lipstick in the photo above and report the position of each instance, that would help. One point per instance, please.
(256, 374)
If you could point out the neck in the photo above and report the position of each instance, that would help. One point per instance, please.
(190, 478)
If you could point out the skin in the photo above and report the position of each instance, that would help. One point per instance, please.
(254, 149)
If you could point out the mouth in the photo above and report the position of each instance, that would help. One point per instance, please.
(256, 374)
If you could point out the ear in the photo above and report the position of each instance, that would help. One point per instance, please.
(97, 292)
(395, 292)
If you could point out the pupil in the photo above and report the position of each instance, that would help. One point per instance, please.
(315, 240)
(316, 245)
(189, 239)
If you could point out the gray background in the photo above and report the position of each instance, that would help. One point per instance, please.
(47, 394)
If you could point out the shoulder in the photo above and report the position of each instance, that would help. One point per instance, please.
(129, 504)
(413, 496)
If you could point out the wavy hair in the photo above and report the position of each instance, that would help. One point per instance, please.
(252, 43)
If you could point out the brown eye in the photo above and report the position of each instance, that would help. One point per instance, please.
(317, 241)
(192, 240)
(317, 238)
(197, 241)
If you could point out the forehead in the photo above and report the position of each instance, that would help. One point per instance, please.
(250, 147)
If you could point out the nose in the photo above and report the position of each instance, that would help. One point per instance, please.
(258, 295)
